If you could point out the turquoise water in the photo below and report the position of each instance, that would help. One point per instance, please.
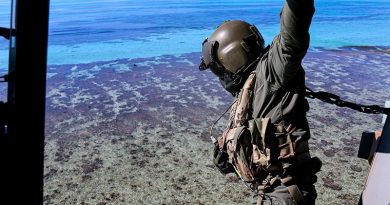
(101, 30)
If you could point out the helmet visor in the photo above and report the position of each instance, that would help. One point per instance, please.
(207, 54)
(209, 59)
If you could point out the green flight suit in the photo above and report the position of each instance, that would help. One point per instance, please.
(279, 91)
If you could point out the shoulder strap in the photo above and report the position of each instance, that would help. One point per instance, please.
(241, 115)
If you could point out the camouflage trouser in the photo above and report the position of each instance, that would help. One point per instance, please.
(281, 196)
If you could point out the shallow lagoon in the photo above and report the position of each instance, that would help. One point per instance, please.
(136, 130)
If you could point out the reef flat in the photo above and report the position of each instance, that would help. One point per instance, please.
(135, 131)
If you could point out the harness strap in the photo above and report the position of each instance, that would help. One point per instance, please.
(295, 193)
(270, 182)
(266, 183)
(292, 189)
(289, 146)
(242, 110)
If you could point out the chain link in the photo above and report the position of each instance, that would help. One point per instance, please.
(336, 100)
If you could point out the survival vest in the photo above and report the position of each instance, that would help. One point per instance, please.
(256, 148)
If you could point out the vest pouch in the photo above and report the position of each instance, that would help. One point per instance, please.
(255, 127)
(220, 155)
(265, 149)
(221, 160)
(240, 151)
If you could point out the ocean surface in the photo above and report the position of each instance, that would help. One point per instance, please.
(87, 31)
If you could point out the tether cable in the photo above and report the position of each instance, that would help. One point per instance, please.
(333, 99)
(213, 139)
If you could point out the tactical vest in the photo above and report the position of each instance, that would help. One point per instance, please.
(256, 149)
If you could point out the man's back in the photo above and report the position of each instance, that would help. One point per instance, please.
(279, 91)
(280, 79)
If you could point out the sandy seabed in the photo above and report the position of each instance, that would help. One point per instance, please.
(136, 131)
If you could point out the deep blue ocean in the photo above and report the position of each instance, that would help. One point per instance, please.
(101, 30)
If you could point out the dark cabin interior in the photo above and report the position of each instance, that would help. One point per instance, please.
(23, 115)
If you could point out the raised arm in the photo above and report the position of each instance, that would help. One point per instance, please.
(290, 46)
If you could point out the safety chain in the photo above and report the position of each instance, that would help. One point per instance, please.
(336, 100)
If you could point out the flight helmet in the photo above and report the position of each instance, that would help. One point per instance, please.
(230, 51)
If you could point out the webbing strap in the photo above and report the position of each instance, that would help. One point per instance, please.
(260, 195)
(276, 181)
(241, 115)
(295, 193)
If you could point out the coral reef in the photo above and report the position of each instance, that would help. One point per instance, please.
(135, 131)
